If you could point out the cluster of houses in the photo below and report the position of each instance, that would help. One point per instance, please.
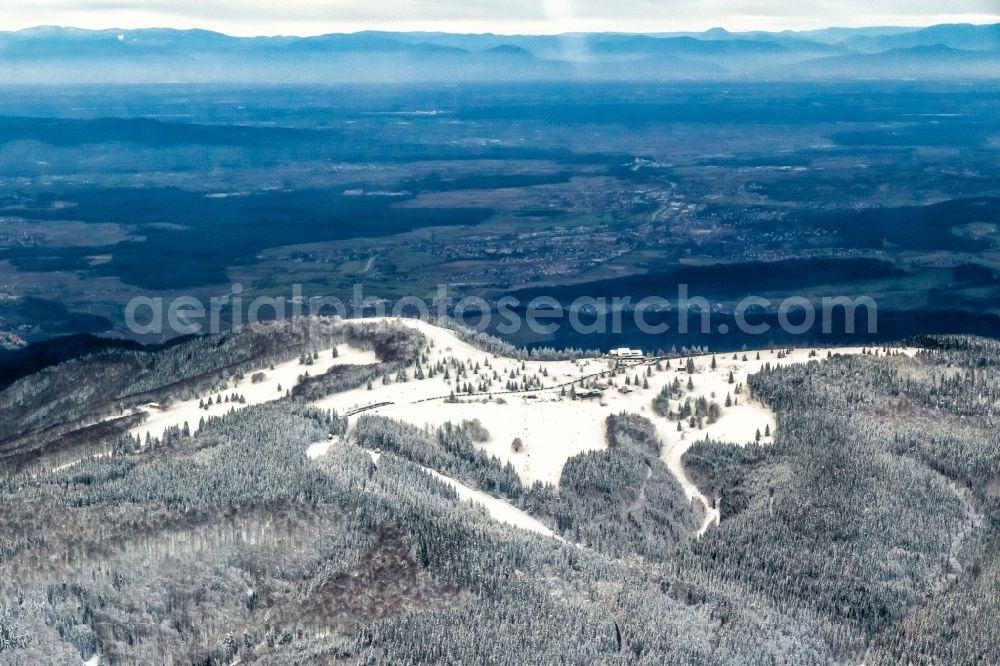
(597, 392)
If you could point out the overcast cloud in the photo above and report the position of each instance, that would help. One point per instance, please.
(309, 17)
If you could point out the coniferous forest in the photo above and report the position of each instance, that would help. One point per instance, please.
(869, 532)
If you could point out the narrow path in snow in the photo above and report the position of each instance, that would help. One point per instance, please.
(498, 509)
(672, 456)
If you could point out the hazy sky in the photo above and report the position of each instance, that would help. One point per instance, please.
(309, 17)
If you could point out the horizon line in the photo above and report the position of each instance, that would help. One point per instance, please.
(994, 21)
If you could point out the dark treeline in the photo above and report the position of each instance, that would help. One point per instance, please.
(450, 450)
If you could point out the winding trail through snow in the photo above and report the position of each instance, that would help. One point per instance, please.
(672, 456)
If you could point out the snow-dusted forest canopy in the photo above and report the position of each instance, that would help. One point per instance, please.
(869, 530)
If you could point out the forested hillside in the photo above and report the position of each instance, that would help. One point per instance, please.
(877, 510)
(868, 532)
(53, 409)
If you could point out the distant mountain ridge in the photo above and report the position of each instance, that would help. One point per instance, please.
(70, 55)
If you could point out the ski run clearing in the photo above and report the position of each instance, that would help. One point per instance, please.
(498, 509)
(551, 425)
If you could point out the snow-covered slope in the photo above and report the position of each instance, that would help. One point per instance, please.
(551, 425)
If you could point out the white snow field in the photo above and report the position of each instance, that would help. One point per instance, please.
(284, 375)
(554, 427)
(320, 448)
(551, 425)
